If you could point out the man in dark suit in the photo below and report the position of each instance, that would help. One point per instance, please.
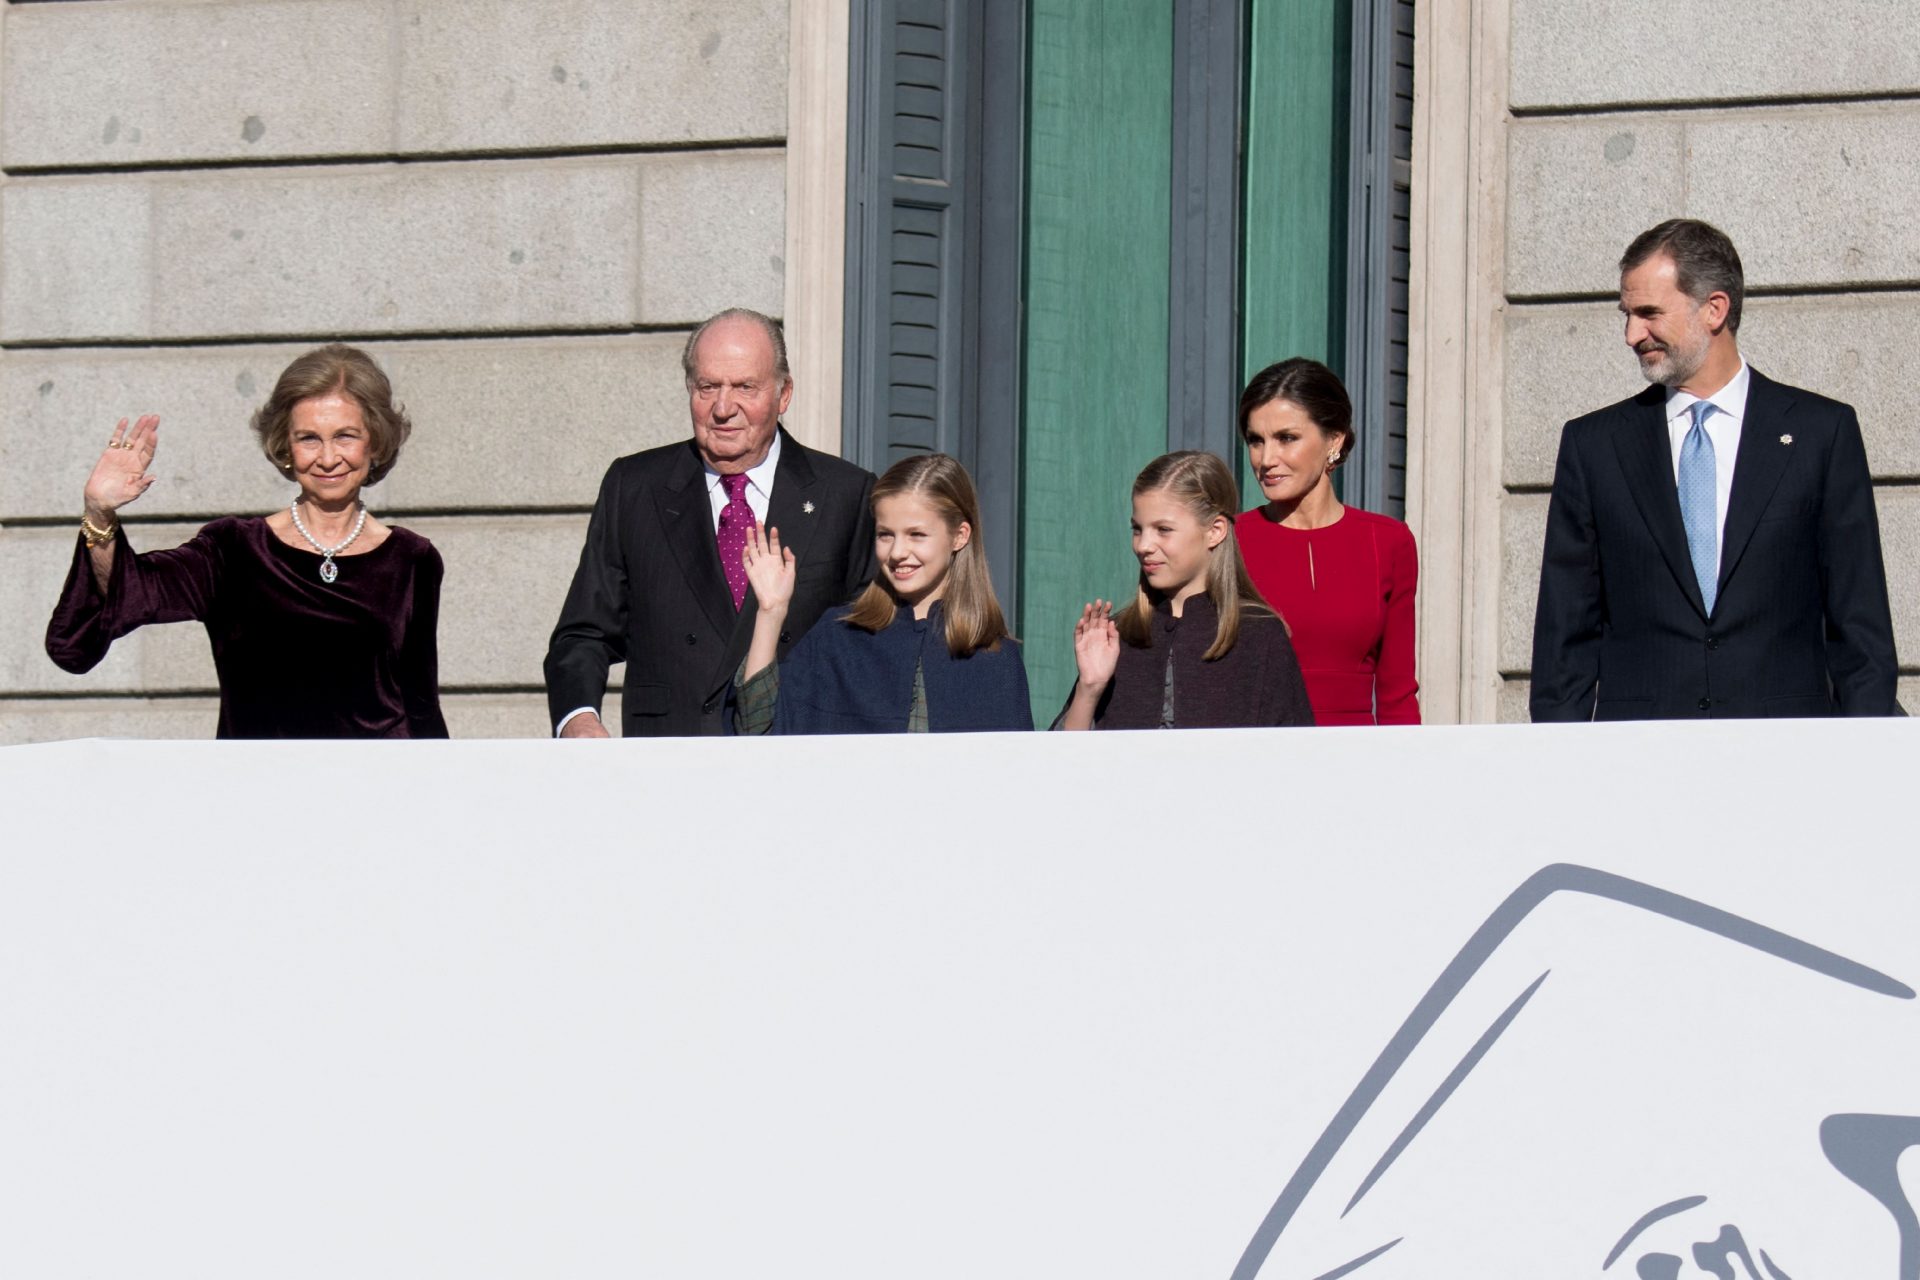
(660, 584)
(1712, 548)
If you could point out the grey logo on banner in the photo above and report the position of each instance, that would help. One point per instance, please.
(1864, 1149)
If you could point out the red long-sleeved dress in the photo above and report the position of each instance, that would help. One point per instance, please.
(1347, 592)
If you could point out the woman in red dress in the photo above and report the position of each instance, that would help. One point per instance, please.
(1343, 578)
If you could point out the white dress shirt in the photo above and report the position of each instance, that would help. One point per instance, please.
(1723, 428)
(759, 494)
(759, 486)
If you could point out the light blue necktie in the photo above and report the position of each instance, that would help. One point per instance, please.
(1698, 509)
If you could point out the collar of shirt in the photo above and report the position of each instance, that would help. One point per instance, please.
(1730, 400)
(759, 486)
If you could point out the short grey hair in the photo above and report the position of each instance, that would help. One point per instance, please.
(768, 325)
(1704, 261)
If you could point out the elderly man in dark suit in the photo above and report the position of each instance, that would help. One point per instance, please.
(661, 585)
(1712, 547)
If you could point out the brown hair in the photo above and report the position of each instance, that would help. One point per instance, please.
(1201, 483)
(1312, 386)
(1704, 261)
(972, 611)
(324, 371)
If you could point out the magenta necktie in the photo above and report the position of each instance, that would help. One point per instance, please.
(736, 518)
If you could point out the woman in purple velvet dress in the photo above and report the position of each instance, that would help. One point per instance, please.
(322, 618)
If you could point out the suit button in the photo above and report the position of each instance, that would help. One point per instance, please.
(1713, 642)
(692, 638)
(1706, 704)
(710, 705)
(786, 637)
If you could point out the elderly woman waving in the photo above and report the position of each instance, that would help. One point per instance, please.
(322, 619)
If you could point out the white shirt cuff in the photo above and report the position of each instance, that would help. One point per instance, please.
(569, 716)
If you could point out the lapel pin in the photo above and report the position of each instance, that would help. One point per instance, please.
(806, 508)
(1786, 439)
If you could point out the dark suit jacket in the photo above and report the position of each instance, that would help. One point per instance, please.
(649, 590)
(1800, 626)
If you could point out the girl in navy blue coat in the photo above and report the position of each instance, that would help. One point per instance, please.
(925, 648)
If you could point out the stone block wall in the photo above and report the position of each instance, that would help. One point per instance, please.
(1795, 130)
(518, 206)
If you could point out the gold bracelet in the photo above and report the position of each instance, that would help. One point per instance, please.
(96, 537)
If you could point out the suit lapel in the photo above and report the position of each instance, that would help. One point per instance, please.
(686, 513)
(1646, 455)
(790, 510)
(1759, 463)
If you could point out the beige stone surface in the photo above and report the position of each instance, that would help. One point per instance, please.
(721, 239)
(487, 245)
(94, 84)
(1510, 707)
(1565, 359)
(1579, 190)
(1899, 511)
(496, 715)
(469, 715)
(238, 80)
(1813, 196)
(497, 424)
(1523, 526)
(1523, 533)
(60, 719)
(506, 579)
(487, 74)
(76, 258)
(1822, 196)
(508, 715)
(1597, 53)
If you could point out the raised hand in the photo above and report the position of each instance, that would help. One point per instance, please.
(121, 474)
(770, 569)
(1096, 645)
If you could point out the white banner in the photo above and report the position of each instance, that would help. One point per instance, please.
(1591, 1001)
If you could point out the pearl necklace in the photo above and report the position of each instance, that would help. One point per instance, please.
(328, 570)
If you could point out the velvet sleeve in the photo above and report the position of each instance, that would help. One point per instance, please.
(1396, 691)
(179, 585)
(419, 666)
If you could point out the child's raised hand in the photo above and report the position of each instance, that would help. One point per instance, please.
(1096, 644)
(770, 569)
